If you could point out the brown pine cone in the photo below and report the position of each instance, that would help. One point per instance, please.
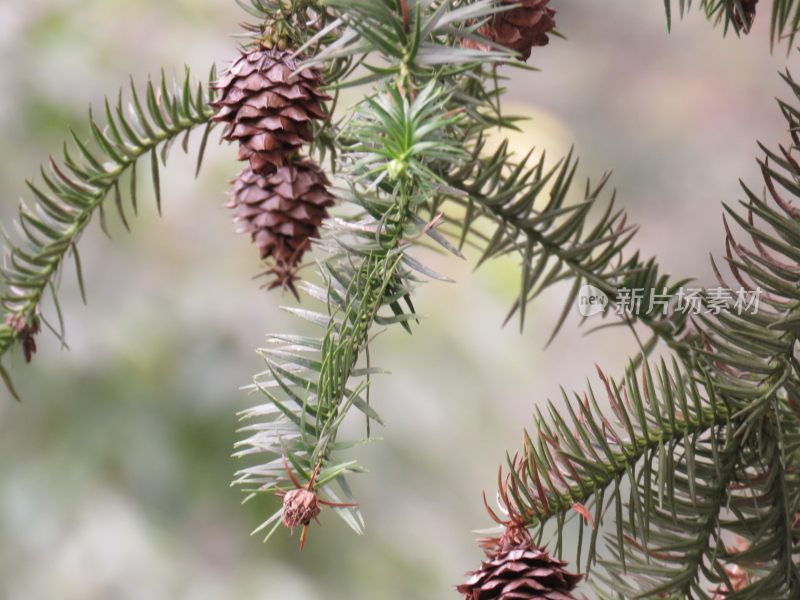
(519, 29)
(517, 570)
(268, 109)
(300, 506)
(745, 21)
(282, 210)
(521, 574)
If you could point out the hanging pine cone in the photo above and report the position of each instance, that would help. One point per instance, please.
(26, 329)
(268, 110)
(517, 570)
(519, 29)
(282, 211)
(300, 506)
(745, 21)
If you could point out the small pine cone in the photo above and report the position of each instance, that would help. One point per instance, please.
(269, 111)
(26, 330)
(745, 22)
(519, 29)
(282, 210)
(521, 572)
(300, 506)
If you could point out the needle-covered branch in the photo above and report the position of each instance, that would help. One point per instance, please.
(90, 180)
(385, 153)
(581, 460)
(714, 509)
(738, 16)
(560, 233)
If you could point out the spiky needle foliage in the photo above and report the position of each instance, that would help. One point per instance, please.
(91, 176)
(738, 15)
(692, 468)
(393, 148)
(697, 464)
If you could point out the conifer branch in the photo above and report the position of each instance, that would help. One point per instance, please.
(390, 150)
(581, 461)
(694, 454)
(557, 239)
(738, 16)
(734, 476)
(89, 179)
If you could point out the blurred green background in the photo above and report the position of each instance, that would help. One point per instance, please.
(115, 470)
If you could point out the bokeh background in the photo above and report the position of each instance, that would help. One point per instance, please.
(115, 471)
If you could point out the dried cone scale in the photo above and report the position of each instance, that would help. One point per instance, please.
(521, 28)
(269, 108)
(282, 211)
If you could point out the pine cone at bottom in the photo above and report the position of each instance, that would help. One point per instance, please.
(526, 573)
(282, 209)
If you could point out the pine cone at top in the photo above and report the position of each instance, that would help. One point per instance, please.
(745, 22)
(282, 209)
(268, 109)
(517, 570)
(520, 29)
